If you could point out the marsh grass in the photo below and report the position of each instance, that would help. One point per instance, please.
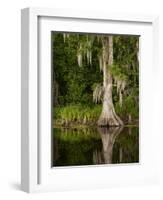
(76, 115)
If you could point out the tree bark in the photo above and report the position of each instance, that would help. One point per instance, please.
(108, 115)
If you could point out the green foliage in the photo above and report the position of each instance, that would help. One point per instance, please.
(76, 83)
(118, 72)
(126, 68)
(130, 107)
(77, 114)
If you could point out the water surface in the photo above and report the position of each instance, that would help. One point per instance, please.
(92, 146)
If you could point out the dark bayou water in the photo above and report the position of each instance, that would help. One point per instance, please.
(92, 146)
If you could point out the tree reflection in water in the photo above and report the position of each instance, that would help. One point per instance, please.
(92, 146)
(108, 137)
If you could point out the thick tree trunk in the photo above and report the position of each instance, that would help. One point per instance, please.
(108, 116)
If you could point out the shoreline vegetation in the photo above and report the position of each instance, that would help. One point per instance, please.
(79, 116)
(95, 80)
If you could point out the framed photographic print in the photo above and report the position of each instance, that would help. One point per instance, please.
(88, 86)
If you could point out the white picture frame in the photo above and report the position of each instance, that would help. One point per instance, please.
(36, 171)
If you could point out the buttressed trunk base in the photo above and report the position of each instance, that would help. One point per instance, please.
(108, 115)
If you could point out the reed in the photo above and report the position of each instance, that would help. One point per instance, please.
(77, 114)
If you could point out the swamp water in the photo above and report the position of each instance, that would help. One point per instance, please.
(92, 146)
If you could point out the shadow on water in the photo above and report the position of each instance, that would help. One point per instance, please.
(92, 146)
